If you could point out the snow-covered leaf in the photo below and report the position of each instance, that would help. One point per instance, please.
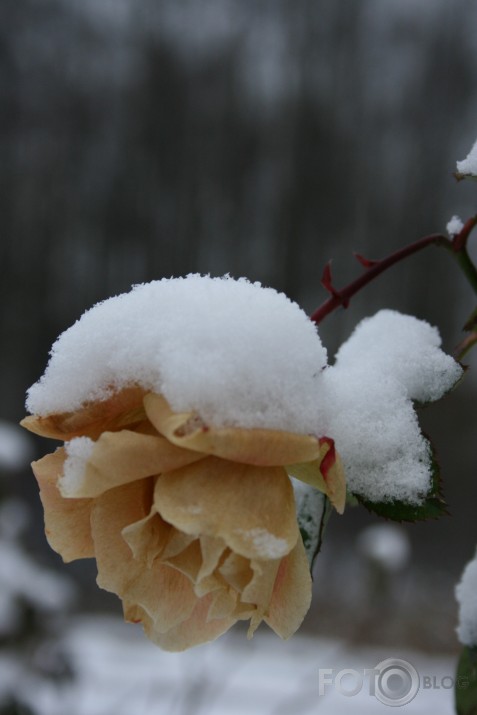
(432, 507)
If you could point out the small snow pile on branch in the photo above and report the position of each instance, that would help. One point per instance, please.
(454, 226)
(468, 166)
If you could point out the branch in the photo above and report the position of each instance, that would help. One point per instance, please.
(373, 269)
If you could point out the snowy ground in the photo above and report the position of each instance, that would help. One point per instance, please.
(120, 672)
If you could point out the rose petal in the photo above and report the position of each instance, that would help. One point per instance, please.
(195, 630)
(122, 408)
(118, 458)
(212, 549)
(251, 508)
(249, 446)
(259, 590)
(164, 593)
(325, 474)
(176, 543)
(147, 537)
(67, 521)
(237, 571)
(291, 596)
(188, 561)
(223, 604)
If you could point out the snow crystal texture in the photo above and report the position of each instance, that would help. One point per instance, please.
(237, 353)
(388, 362)
(78, 451)
(466, 594)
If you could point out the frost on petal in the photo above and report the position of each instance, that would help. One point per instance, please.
(67, 521)
(466, 594)
(231, 501)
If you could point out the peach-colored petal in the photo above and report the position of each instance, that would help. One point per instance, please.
(236, 571)
(223, 604)
(121, 409)
(291, 596)
(67, 521)
(121, 457)
(259, 590)
(195, 630)
(147, 537)
(163, 592)
(329, 479)
(188, 561)
(212, 549)
(251, 508)
(259, 447)
(176, 543)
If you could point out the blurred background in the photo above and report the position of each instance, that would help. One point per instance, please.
(251, 137)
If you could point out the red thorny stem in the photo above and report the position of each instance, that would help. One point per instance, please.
(373, 268)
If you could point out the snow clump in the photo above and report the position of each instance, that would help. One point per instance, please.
(454, 226)
(468, 166)
(390, 361)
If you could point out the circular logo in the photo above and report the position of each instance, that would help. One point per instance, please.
(396, 682)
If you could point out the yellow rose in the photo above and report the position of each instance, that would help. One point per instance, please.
(193, 526)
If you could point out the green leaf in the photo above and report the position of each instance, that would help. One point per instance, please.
(313, 512)
(466, 683)
(433, 507)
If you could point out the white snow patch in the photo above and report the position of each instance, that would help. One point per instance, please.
(389, 361)
(78, 452)
(403, 348)
(455, 226)
(466, 594)
(235, 352)
(469, 164)
(267, 545)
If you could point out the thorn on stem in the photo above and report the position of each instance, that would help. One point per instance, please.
(327, 283)
(366, 262)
